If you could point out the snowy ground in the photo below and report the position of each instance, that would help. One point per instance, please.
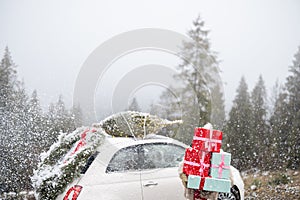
(279, 185)
(25, 195)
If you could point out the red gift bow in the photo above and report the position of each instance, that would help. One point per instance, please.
(221, 166)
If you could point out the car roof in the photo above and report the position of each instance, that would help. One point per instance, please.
(121, 142)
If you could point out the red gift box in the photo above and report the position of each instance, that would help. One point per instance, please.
(196, 162)
(207, 140)
(191, 161)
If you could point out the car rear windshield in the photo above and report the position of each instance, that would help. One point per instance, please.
(146, 156)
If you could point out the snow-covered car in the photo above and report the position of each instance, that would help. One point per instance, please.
(125, 168)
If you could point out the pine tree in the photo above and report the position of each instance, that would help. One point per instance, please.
(8, 80)
(218, 108)
(15, 149)
(260, 131)
(23, 154)
(76, 115)
(37, 125)
(168, 106)
(50, 125)
(57, 121)
(63, 119)
(198, 71)
(197, 85)
(293, 89)
(134, 106)
(8, 86)
(275, 91)
(24, 131)
(238, 138)
(279, 129)
(35, 113)
(60, 109)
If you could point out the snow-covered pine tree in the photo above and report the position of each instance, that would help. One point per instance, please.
(168, 105)
(279, 130)
(22, 152)
(293, 89)
(197, 73)
(61, 116)
(76, 115)
(51, 131)
(8, 84)
(5, 70)
(134, 106)
(16, 157)
(272, 98)
(24, 131)
(199, 63)
(238, 137)
(58, 119)
(8, 80)
(260, 131)
(218, 108)
(35, 113)
(37, 126)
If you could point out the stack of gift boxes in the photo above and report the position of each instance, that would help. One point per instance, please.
(206, 167)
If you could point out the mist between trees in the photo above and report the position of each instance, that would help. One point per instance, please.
(260, 131)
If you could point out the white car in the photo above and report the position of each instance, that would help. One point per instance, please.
(124, 168)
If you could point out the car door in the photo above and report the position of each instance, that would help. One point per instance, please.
(160, 179)
(119, 179)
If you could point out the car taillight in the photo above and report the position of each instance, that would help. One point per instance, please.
(76, 189)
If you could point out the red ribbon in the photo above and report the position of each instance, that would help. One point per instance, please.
(81, 143)
(77, 189)
(202, 164)
(209, 142)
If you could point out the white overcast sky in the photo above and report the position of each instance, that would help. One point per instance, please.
(50, 40)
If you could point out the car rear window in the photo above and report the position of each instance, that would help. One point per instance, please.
(162, 155)
(126, 159)
(146, 156)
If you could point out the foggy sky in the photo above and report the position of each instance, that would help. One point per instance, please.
(50, 40)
